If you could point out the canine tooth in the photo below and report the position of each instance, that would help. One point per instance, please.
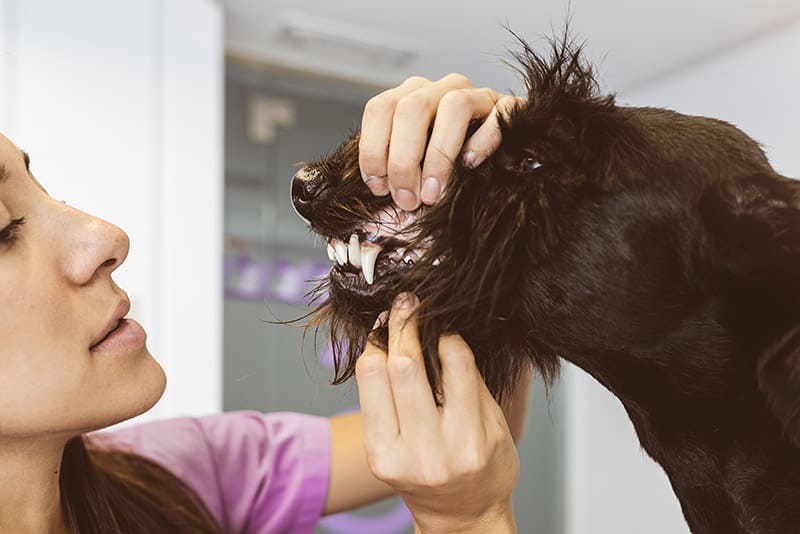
(401, 251)
(436, 262)
(341, 252)
(354, 251)
(368, 257)
(331, 252)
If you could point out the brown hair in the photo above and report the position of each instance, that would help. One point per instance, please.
(113, 491)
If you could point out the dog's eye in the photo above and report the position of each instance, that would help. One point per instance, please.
(529, 164)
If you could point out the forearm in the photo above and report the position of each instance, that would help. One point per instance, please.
(500, 521)
(352, 484)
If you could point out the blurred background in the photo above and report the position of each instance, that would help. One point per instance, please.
(182, 121)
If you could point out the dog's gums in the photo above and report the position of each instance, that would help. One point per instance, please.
(657, 251)
(355, 258)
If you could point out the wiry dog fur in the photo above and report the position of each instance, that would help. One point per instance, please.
(657, 251)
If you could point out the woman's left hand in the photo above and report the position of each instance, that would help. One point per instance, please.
(455, 465)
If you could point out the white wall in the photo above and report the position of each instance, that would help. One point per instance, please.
(754, 87)
(612, 487)
(119, 104)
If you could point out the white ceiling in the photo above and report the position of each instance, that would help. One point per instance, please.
(636, 41)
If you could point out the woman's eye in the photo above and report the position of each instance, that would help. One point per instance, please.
(10, 233)
(529, 164)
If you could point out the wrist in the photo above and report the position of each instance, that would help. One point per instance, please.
(497, 520)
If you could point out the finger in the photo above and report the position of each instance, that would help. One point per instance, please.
(410, 126)
(462, 384)
(456, 110)
(376, 129)
(417, 414)
(488, 137)
(375, 396)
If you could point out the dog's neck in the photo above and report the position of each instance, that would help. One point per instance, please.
(701, 416)
(705, 443)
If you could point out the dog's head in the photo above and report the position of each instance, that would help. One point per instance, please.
(548, 226)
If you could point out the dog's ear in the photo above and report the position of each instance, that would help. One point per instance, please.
(753, 224)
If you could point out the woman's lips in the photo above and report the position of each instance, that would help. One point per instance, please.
(127, 337)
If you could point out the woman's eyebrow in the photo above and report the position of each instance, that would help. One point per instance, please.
(4, 174)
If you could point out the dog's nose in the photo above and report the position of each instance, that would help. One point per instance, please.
(307, 185)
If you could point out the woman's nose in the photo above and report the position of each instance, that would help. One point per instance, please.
(307, 186)
(97, 247)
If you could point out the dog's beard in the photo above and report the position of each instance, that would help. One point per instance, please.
(465, 258)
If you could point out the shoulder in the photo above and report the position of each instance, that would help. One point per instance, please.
(249, 468)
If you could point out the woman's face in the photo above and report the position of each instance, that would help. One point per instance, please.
(61, 372)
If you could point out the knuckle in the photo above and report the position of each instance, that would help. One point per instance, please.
(457, 98)
(412, 106)
(402, 366)
(456, 78)
(456, 353)
(381, 464)
(416, 80)
(370, 364)
(370, 157)
(488, 91)
(507, 103)
(473, 460)
(378, 104)
(435, 475)
(496, 439)
(459, 366)
(400, 172)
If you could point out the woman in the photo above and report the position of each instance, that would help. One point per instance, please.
(72, 362)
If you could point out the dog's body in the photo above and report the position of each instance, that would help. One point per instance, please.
(658, 252)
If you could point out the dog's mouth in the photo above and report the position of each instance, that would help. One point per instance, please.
(370, 258)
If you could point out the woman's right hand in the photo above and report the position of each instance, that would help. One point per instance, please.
(413, 133)
(455, 465)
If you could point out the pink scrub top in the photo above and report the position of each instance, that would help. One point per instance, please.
(257, 473)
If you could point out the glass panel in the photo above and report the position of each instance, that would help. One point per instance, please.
(270, 254)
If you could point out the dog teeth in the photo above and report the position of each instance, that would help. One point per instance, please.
(364, 255)
(354, 251)
(436, 262)
(368, 257)
(340, 250)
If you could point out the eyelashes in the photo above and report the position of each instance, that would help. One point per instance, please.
(10, 233)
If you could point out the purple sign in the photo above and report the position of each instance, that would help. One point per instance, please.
(286, 278)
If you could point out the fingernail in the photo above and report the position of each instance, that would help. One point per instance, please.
(431, 191)
(376, 184)
(406, 199)
(405, 301)
(381, 320)
(469, 158)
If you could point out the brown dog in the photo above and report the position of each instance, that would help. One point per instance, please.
(657, 251)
